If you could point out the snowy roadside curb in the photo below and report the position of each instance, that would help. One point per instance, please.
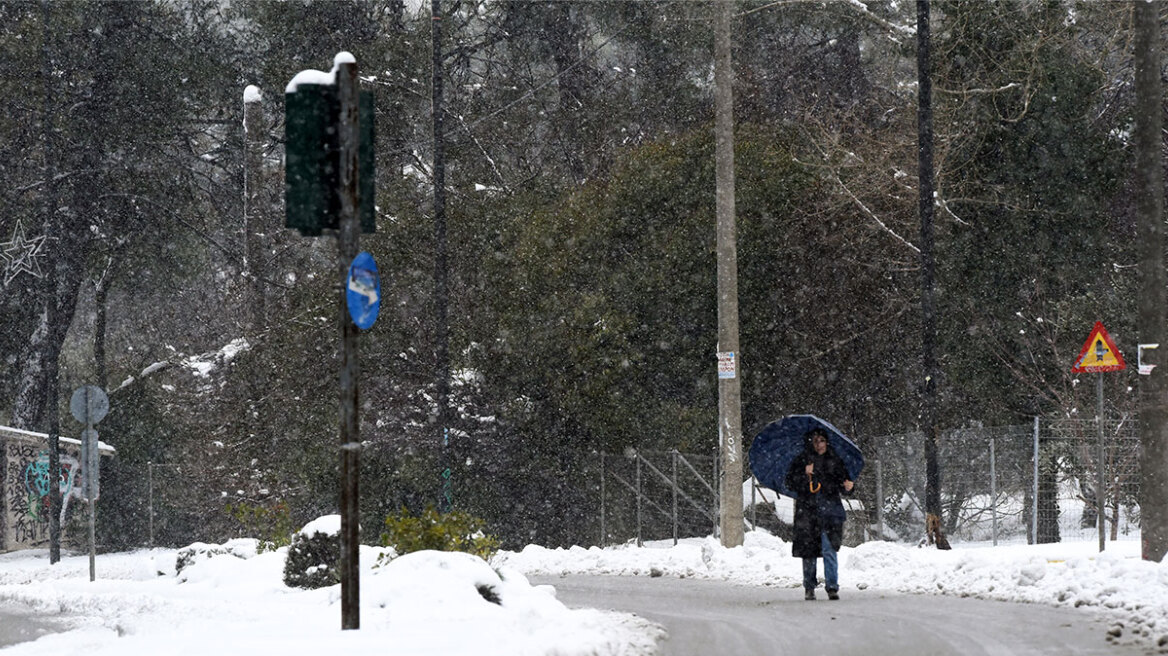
(233, 600)
(1131, 593)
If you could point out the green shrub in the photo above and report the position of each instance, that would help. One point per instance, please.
(196, 553)
(452, 531)
(313, 561)
(271, 525)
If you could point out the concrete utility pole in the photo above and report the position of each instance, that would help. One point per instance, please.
(729, 381)
(1151, 315)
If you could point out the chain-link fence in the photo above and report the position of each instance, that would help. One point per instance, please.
(1069, 476)
(990, 477)
(985, 479)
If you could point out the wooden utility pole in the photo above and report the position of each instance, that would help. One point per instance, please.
(729, 358)
(928, 296)
(441, 291)
(1151, 315)
(349, 133)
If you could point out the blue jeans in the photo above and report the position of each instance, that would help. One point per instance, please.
(830, 567)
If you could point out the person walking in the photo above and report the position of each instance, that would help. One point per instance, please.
(818, 477)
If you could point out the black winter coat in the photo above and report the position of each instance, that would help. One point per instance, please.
(818, 507)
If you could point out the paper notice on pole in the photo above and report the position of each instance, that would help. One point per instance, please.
(727, 365)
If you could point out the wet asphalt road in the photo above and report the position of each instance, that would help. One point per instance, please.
(706, 618)
(20, 625)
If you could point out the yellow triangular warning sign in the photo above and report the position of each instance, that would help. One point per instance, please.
(1099, 353)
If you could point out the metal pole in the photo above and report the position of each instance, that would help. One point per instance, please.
(150, 501)
(638, 499)
(717, 495)
(880, 499)
(602, 499)
(350, 430)
(753, 504)
(88, 458)
(1034, 489)
(1099, 493)
(994, 490)
(673, 457)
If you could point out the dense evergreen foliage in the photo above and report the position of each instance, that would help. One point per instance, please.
(580, 207)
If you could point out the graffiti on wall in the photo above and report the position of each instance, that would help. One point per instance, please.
(27, 484)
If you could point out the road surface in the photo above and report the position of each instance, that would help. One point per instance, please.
(20, 625)
(704, 618)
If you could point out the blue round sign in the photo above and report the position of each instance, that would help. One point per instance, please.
(363, 291)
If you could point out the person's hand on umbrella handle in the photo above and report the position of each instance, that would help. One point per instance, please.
(810, 468)
(848, 485)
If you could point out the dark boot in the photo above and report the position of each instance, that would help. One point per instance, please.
(809, 595)
(833, 594)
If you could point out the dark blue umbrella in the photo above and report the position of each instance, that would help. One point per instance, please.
(775, 448)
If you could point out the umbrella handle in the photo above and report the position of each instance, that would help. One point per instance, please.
(813, 486)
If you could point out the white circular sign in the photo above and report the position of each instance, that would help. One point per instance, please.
(89, 404)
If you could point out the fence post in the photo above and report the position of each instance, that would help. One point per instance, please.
(673, 457)
(639, 500)
(602, 500)
(717, 495)
(1100, 470)
(150, 500)
(1034, 490)
(753, 504)
(879, 500)
(994, 490)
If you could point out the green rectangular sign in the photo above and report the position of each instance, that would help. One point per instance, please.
(312, 160)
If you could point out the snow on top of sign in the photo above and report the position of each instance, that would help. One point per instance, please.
(313, 76)
(252, 94)
(310, 76)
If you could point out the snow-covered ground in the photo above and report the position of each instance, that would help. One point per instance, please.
(430, 603)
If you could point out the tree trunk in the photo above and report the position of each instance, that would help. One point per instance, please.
(101, 301)
(1048, 504)
(441, 285)
(933, 527)
(255, 224)
(1151, 318)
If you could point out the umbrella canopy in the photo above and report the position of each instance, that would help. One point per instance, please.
(775, 448)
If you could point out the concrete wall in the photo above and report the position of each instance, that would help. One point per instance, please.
(24, 455)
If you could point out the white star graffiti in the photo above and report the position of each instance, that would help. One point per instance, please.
(21, 254)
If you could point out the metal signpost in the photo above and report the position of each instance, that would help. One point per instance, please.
(90, 405)
(1099, 355)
